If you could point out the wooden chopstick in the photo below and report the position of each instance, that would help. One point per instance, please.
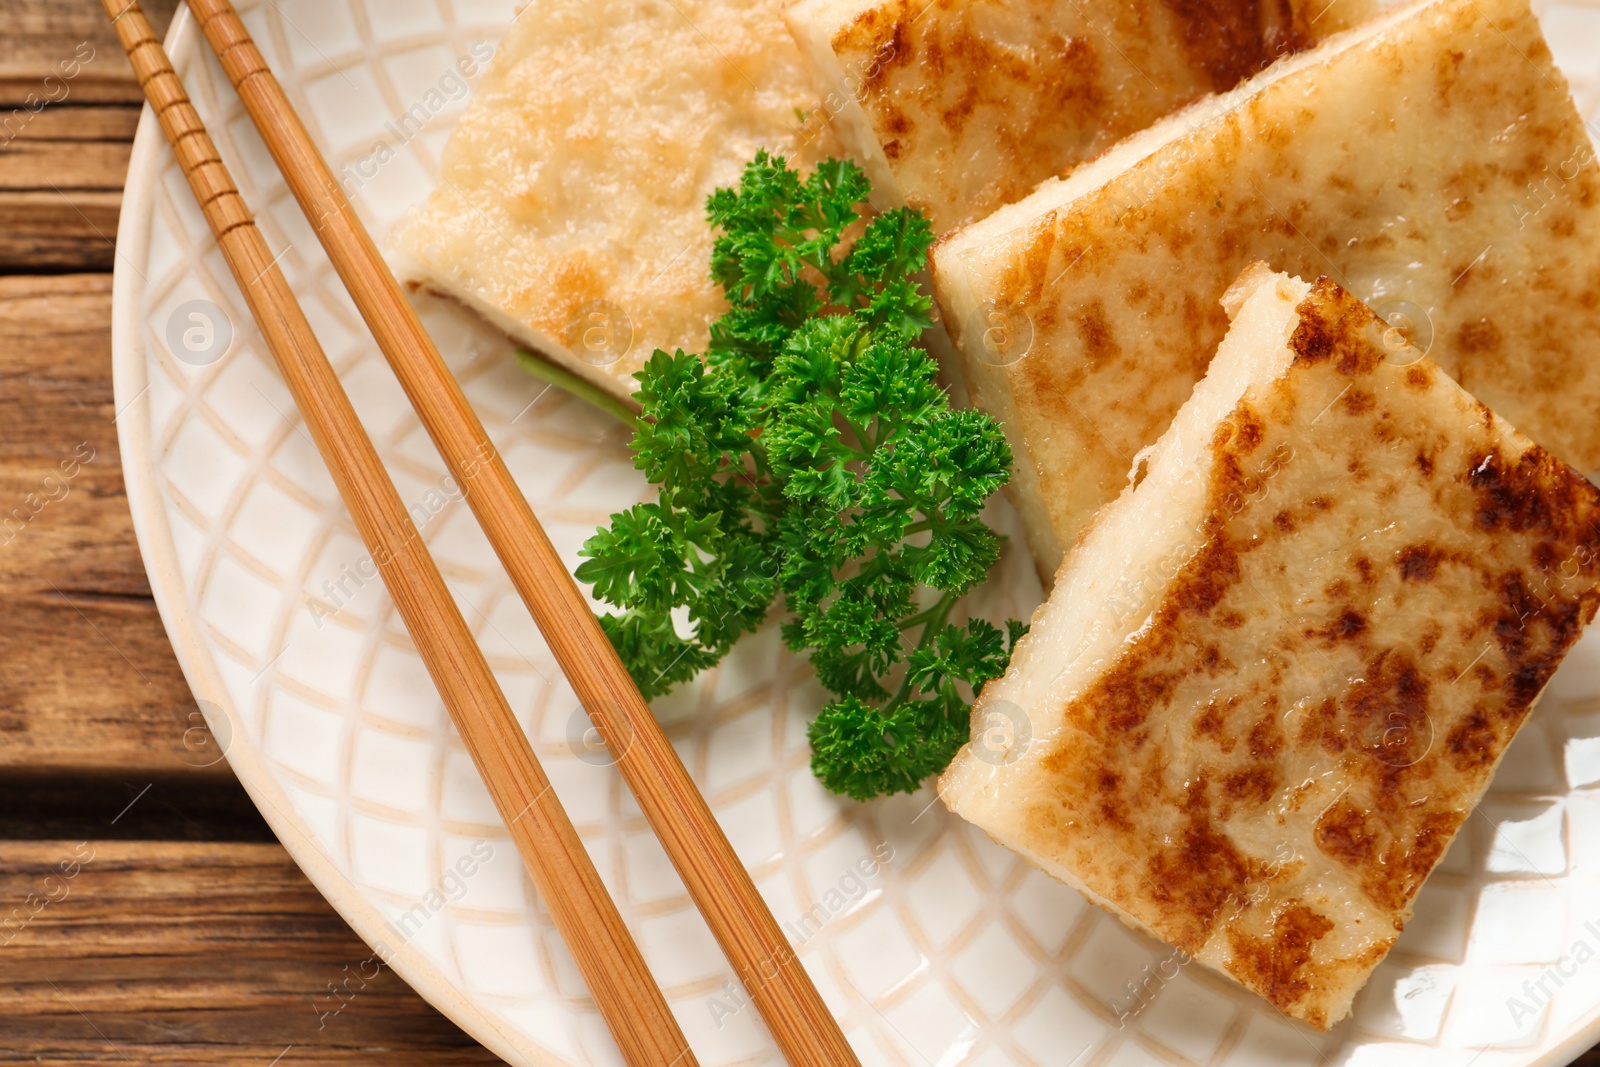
(622, 986)
(733, 908)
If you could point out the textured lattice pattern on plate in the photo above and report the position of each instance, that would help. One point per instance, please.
(933, 945)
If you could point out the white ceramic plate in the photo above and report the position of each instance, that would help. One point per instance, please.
(933, 946)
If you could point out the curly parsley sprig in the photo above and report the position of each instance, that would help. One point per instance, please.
(812, 455)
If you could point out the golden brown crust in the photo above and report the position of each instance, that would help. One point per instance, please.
(974, 102)
(1277, 966)
(1324, 172)
(1231, 40)
(1325, 686)
(571, 206)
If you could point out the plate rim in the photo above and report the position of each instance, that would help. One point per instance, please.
(152, 534)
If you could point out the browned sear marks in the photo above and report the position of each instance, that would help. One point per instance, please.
(1279, 967)
(975, 103)
(1349, 660)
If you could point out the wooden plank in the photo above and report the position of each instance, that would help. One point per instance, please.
(58, 231)
(72, 121)
(61, 177)
(35, 164)
(188, 953)
(71, 44)
(55, 384)
(91, 681)
(124, 805)
(68, 109)
(91, 684)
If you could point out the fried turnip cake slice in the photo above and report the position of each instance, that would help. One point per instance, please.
(958, 107)
(570, 210)
(1277, 673)
(1431, 161)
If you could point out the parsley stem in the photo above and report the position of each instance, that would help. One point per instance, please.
(580, 387)
(941, 613)
(868, 446)
(935, 620)
(923, 616)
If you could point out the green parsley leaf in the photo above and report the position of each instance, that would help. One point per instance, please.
(811, 455)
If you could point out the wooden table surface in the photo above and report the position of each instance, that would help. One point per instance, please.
(184, 934)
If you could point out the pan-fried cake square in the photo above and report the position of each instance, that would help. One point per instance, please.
(1431, 161)
(570, 210)
(960, 106)
(1276, 675)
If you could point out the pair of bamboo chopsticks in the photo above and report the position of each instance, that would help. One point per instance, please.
(618, 978)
